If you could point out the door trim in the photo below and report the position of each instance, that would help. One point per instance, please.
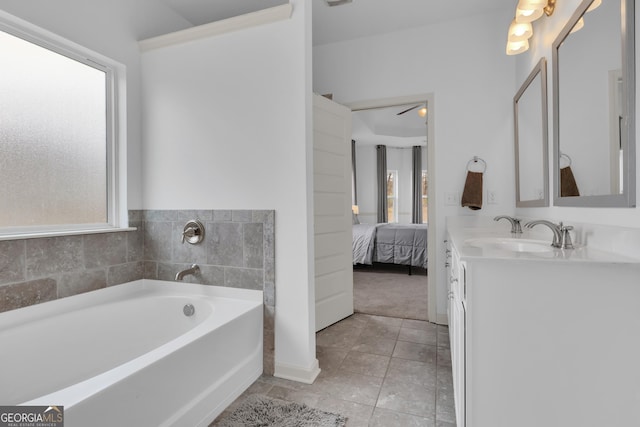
(432, 269)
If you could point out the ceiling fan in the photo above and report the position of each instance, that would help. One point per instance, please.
(337, 2)
(421, 112)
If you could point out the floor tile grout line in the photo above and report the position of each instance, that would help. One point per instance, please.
(435, 395)
(436, 391)
(344, 347)
(385, 376)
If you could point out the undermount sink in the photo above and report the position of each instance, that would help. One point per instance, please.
(510, 244)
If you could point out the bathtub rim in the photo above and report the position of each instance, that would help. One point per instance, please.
(115, 293)
(252, 300)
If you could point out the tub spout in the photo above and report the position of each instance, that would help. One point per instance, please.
(194, 269)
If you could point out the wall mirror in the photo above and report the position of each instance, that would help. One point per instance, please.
(594, 106)
(531, 139)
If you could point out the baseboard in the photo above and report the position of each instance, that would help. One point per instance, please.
(296, 373)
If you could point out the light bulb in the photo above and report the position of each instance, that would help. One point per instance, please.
(422, 112)
(514, 48)
(532, 4)
(519, 31)
(528, 15)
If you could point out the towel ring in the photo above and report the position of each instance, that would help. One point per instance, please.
(567, 158)
(477, 160)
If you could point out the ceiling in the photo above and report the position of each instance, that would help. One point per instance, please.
(385, 126)
(199, 12)
(361, 18)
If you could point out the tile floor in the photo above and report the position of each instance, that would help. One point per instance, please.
(377, 371)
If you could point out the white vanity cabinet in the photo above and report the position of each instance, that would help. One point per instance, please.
(456, 313)
(550, 340)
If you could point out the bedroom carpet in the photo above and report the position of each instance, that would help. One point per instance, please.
(390, 293)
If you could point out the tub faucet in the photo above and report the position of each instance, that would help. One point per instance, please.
(194, 269)
(515, 223)
(561, 236)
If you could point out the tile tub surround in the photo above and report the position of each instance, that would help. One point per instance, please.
(43, 269)
(238, 251)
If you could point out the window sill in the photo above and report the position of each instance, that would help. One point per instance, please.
(43, 234)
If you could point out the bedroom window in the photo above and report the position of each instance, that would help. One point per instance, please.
(58, 163)
(424, 197)
(392, 195)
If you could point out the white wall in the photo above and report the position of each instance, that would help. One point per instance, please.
(399, 159)
(545, 31)
(227, 125)
(111, 28)
(463, 64)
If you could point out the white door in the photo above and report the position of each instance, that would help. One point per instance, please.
(332, 212)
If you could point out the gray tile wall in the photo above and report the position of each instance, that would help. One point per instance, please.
(238, 251)
(39, 270)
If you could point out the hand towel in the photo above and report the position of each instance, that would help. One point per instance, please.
(472, 194)
(568, 186)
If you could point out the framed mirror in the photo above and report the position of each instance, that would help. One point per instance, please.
(531, 139)
(594, 106)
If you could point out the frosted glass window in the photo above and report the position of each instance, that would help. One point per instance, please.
(54, 165)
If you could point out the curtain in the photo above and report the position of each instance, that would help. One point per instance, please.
(416, 215)
(381, 151)
(354, 180)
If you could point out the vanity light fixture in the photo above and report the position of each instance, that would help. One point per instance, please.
(521, 29)
(550, 7)
(594, 5)
(529, 10)
(532, 4)
(514, 48)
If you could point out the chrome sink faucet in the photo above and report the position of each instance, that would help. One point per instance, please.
(194, 269)
(515, 223)
(561, 236)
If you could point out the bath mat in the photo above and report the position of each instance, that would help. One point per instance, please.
(262, 411)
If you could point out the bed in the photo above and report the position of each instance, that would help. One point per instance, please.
(400, 244)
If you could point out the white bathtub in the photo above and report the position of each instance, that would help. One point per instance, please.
(127, 355)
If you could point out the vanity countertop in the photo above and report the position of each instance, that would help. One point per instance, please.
(461, 237)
